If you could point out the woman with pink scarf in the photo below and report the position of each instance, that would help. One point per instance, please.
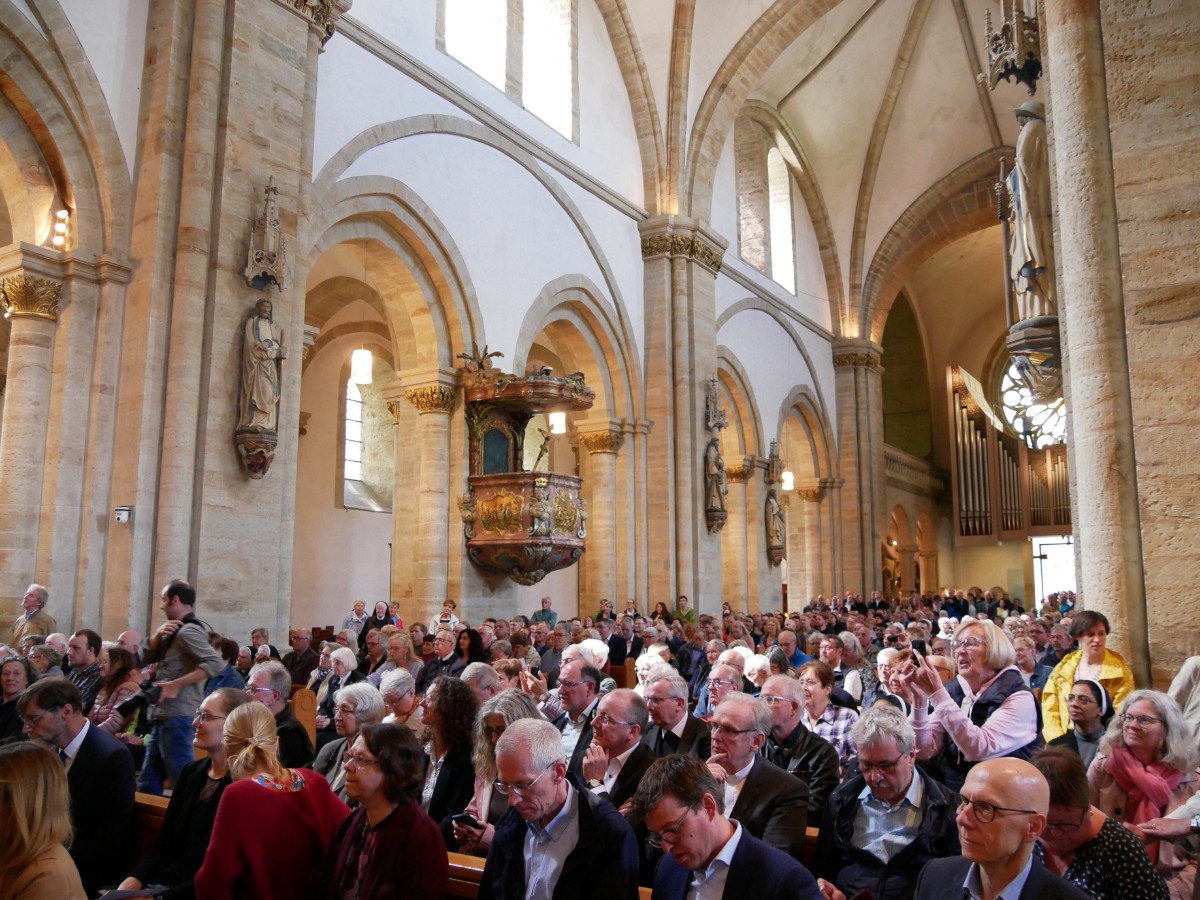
(1145, 769)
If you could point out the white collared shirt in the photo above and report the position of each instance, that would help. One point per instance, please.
(733, 786)
(547, 849)
(573, 728)
(73, 748)
(614, 769)
(710, 884)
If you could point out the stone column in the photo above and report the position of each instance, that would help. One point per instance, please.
(907, 573)
(434, 395)
(1107, 527)
(860, 438)
(735, 564)
(602, 438)
(30, 297)
(814, 539)
(929, 572)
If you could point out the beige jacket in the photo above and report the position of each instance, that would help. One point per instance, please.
(52, 876)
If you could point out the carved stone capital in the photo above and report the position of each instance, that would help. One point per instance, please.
(811, 493)
(323, 13)
(737, 474)
(680, 237)
(433, 398)
(857, 354)
(24, 296)
(602, 441)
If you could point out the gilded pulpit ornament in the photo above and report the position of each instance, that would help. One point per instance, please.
(1014, 50)
(716, 479)
(258, 401)
(267, 249)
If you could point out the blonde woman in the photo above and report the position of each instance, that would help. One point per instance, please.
(274, 824)
(35, 864)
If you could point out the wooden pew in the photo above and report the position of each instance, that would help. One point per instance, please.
(304, 708)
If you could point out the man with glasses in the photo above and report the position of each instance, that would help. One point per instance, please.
(616, 759)
(562, 842)
(705, 853)
(445, 661)
(674, 730)
(771, 804)
(303, 658)
(1001, 814)
(882, 826)
(794, 748)
(271, 684)
(578, 690)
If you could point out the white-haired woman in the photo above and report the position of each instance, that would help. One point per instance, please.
(356, 705)
(985, 713)
(399, 691)
(345, 672)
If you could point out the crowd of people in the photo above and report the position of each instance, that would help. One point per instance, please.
(930, 746)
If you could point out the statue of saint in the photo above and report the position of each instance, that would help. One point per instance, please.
(774, 517)
(262, 356)
(716, 484)
(1031, 241)
(541, 513)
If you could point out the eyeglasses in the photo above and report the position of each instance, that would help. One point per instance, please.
(344, 710)
(606, 719)
(887, 768)
(655, 838)
(1080, 698)
(654, 701)
(985, 812)
(33, 720)
(717, 682)
(359, 760)
(251, 690)
(563, 683)
(968, 643)
(495, 732)
(772, 699)
(718, 728)
(1142, 721)
(1067, 827)
(520, 788)
(203, 715)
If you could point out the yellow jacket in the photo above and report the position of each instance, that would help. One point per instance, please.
(1114, 675)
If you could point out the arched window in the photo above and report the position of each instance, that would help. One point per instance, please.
(526, 48)
(354, 435)
(783, 246)
(766, 212)
(368, 447)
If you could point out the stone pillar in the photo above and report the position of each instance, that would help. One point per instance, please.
(434, 395)
(796, 550)
(929, 572)
(602, 438)
(860, 438)
(907, 573)
(1107, 527)
(814, 539)
(29, 295)
(735, 564)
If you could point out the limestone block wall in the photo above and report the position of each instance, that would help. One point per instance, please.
(1152, 68)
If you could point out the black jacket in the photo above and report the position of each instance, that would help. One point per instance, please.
(773, 806)
(696, 740)
(810, 758)
(100, 783)
(943, 879)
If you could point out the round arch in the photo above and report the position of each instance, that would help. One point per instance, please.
(747, 420)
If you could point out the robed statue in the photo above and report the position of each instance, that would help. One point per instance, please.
(1031, 238)
(262, 356)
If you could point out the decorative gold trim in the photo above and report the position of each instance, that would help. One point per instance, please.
(35, 298)
(433, 398)
(812, 495)
(565, 513)
(602, 441)
(502, 512)
(321, 12)
(691, 246)
(737, 474)
(857, 361)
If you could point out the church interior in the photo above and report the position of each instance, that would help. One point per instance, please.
(593, 299)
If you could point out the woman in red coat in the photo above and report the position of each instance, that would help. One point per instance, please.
(273, 826)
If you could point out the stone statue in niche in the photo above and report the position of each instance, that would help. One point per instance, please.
(541, 512)
(1031, 238)
(262, 357)
(716, 480)
(773, 519)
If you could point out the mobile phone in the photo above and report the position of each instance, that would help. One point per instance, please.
(918, 647)
(466, 819)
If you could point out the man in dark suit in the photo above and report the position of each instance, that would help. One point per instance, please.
(578, 690)
(681, 802)
(616, 759)
(769, 803)
(1002, 813)
(794, 748)
(674, 731)
(555, 840)
(617, 648)
(445, 662)
(99, 778)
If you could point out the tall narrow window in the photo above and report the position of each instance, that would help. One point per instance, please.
(477, 36)
(547, 51)
(354, 432)
(783, 253)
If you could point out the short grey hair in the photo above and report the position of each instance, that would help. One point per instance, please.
(594, 652)
(786, 687)
(278, 678)
(366, 700)
(345, 656)
(397, 681)
(851, 644)
(883, 721)
(533, 739)
(677, 687)
(481, 675)
(760, 713)
(42, 594)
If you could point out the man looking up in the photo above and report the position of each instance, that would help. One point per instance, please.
(34, 619)
(578, 687)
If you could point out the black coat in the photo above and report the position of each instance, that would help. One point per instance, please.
(757, 870)
(101, 785)
(942, 879)
(696, 739)
(773, 806)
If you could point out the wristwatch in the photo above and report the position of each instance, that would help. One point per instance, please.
(596, 782)
(1195, 824)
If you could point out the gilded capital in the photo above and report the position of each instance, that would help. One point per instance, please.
(322, 12)
(737, 474)
(602, 441)
(857, 360)
(692, 246)
(811, 494)
(432, 398)
(36, 298)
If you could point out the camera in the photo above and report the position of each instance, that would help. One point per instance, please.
(149, 694)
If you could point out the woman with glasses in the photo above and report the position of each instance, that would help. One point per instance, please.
(388, 847)
(274, 825)
(176, 856)
(987, 712)
(16, 674)
(448, 714)
(1144, 770)
(1092, 661)
(46, 661)
(823, 718)
(345, 673)
(1086, 847)
(488, 805)
(120, 679)
(1091, 710)
(356, 705)
(399, 691)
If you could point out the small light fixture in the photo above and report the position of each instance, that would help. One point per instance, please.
(788, 480)
(361, 364)
(558, 423)
(61, 225)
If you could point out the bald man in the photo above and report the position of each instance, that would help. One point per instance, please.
(1002, 813)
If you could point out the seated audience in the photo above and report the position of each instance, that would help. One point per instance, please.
(120, 679)
(46, 661)
(228, 677)
(302, 659)
(482, 679)
(16, 674)
(399, 692)
(823, 718)
(1035, 674)
(488, 805)
(274, 824)
(672, 729)
(323, 670)
(448, 715)
(399, 656)
(33, 797)
(178, 853)
(388, 847)
(83, 652)
(356, 705)
(795, 749)
(758, 670)
(1090, 709)
(882, 826)
(509, 673)
(1144, 770)
(1092, 661)
(555, 839)
(706, 854)
(445, 660)
(845, 677)
(271, 684)
(1086, 847)
(616, 759)
(344, 663)
(1001, 814)
(379, 617)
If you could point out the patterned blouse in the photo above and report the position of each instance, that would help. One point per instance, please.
(834, 726)
(1114, 865)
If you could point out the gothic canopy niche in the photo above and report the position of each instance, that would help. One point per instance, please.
(518, 523)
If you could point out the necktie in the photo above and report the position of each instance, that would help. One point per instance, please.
(62, 754)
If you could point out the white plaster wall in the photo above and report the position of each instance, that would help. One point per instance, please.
(719, 24)
(113, 35)
(512, 246)
(339, 554)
